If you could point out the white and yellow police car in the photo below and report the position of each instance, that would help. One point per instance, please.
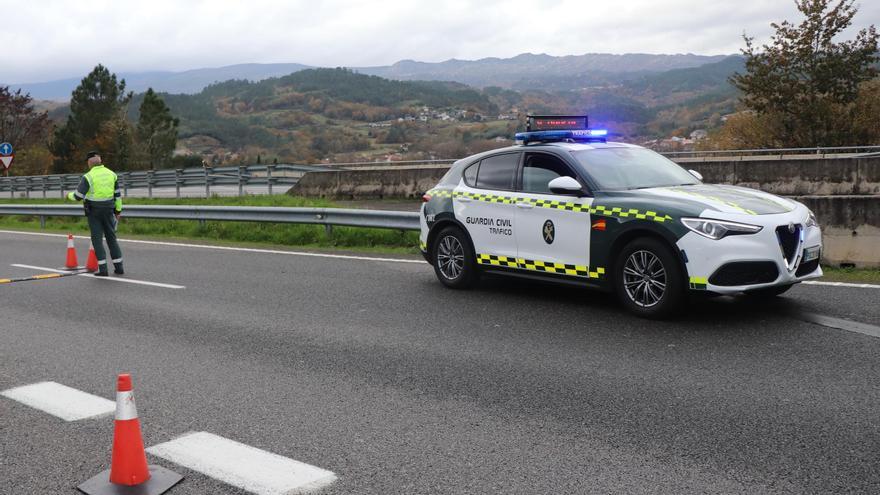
(564, 204)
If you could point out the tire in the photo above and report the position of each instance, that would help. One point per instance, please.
(454, 259)
(649, 280)
(768, 292)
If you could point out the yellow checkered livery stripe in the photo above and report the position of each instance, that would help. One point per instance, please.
(601, 210)
(540, 266)
(699, 283)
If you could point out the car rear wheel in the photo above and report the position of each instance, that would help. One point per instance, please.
(648, 279)
(454, 259)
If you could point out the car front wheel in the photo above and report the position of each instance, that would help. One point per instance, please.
(648, 279)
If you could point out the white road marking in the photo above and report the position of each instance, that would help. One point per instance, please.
(842, 284)
(61, 401)
(109, 279)
(239, 249)
(246, 467)
(839, 323)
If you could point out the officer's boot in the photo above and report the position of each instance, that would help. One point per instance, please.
(117, 269)
(102, 270)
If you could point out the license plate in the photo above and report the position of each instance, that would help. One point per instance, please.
(811, 253)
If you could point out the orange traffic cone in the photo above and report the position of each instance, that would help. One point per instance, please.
(128, 465)
(72, 263)
(92, 261)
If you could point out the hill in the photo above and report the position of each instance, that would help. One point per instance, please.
(541, 71)
(345, 115)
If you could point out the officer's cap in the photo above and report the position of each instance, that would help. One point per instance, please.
(92, 154)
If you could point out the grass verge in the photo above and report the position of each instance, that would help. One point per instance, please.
(854, 275)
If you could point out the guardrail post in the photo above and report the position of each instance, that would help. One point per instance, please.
(27, 187)
(150, 184)
(207, 182)
(42, 221)
(241, 180)
(177, 173)
(43, 183)
(125, 184)
(269, 177)
(328, 229)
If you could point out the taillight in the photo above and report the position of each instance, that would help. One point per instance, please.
(426, 198)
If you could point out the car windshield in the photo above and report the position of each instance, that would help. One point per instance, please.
(632, 168)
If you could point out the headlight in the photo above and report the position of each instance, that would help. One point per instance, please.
(716, 229)
(811, 219)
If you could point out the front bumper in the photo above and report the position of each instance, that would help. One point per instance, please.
(741, 263)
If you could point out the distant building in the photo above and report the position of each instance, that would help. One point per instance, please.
(699, 134)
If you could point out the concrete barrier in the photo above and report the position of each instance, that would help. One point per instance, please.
(380, 183)
(796, 176)
(801, 176)
(850, 228)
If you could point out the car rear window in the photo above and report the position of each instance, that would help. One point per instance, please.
(497, 172)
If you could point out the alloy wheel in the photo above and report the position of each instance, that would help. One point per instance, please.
(450, 257)
(644, 278)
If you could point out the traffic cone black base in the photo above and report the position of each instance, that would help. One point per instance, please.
(161, 480)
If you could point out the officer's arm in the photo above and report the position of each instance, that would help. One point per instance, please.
(81, 190)
(117, 197)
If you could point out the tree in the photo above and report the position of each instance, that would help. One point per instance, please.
(156, 130)
(20, 123)
(97, 120)
(805, 79)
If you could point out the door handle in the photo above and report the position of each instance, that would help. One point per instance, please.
(527, 206)
(464, 199)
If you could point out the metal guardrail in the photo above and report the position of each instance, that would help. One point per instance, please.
(398, 220)
(265, 176)
(268, 176)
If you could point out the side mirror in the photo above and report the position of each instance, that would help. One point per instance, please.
(565, 185)
(696, 174)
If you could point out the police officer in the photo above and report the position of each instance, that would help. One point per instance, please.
(102, 201)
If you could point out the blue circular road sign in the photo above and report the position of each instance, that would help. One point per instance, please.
(5, 149)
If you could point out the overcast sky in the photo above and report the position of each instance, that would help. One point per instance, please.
(53, 39)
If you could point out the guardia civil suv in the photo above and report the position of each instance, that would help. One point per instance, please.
(564, 204)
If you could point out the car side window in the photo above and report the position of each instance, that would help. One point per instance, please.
(470, 174)
(539, 169)
(498, 172)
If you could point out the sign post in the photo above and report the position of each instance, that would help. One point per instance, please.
(7, 155)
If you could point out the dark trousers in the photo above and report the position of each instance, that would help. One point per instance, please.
(102, 223)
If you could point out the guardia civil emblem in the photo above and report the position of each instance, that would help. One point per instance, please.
(549, 232)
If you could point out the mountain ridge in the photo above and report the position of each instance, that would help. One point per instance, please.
(523, 71)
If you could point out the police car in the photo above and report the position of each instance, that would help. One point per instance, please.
(564, 204)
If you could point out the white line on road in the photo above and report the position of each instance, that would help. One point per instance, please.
(839, 323)
(246, 467)
(61, 401)
(109, 279)
(842, 284)
(239, 249)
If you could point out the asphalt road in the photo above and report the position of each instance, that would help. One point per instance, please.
(373, 370)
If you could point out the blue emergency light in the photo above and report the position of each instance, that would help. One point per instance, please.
(555, 128)
(577, 135)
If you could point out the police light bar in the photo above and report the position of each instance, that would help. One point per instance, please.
(556, 122)
(580, 136)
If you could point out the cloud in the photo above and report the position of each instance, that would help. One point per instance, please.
(57, 38)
